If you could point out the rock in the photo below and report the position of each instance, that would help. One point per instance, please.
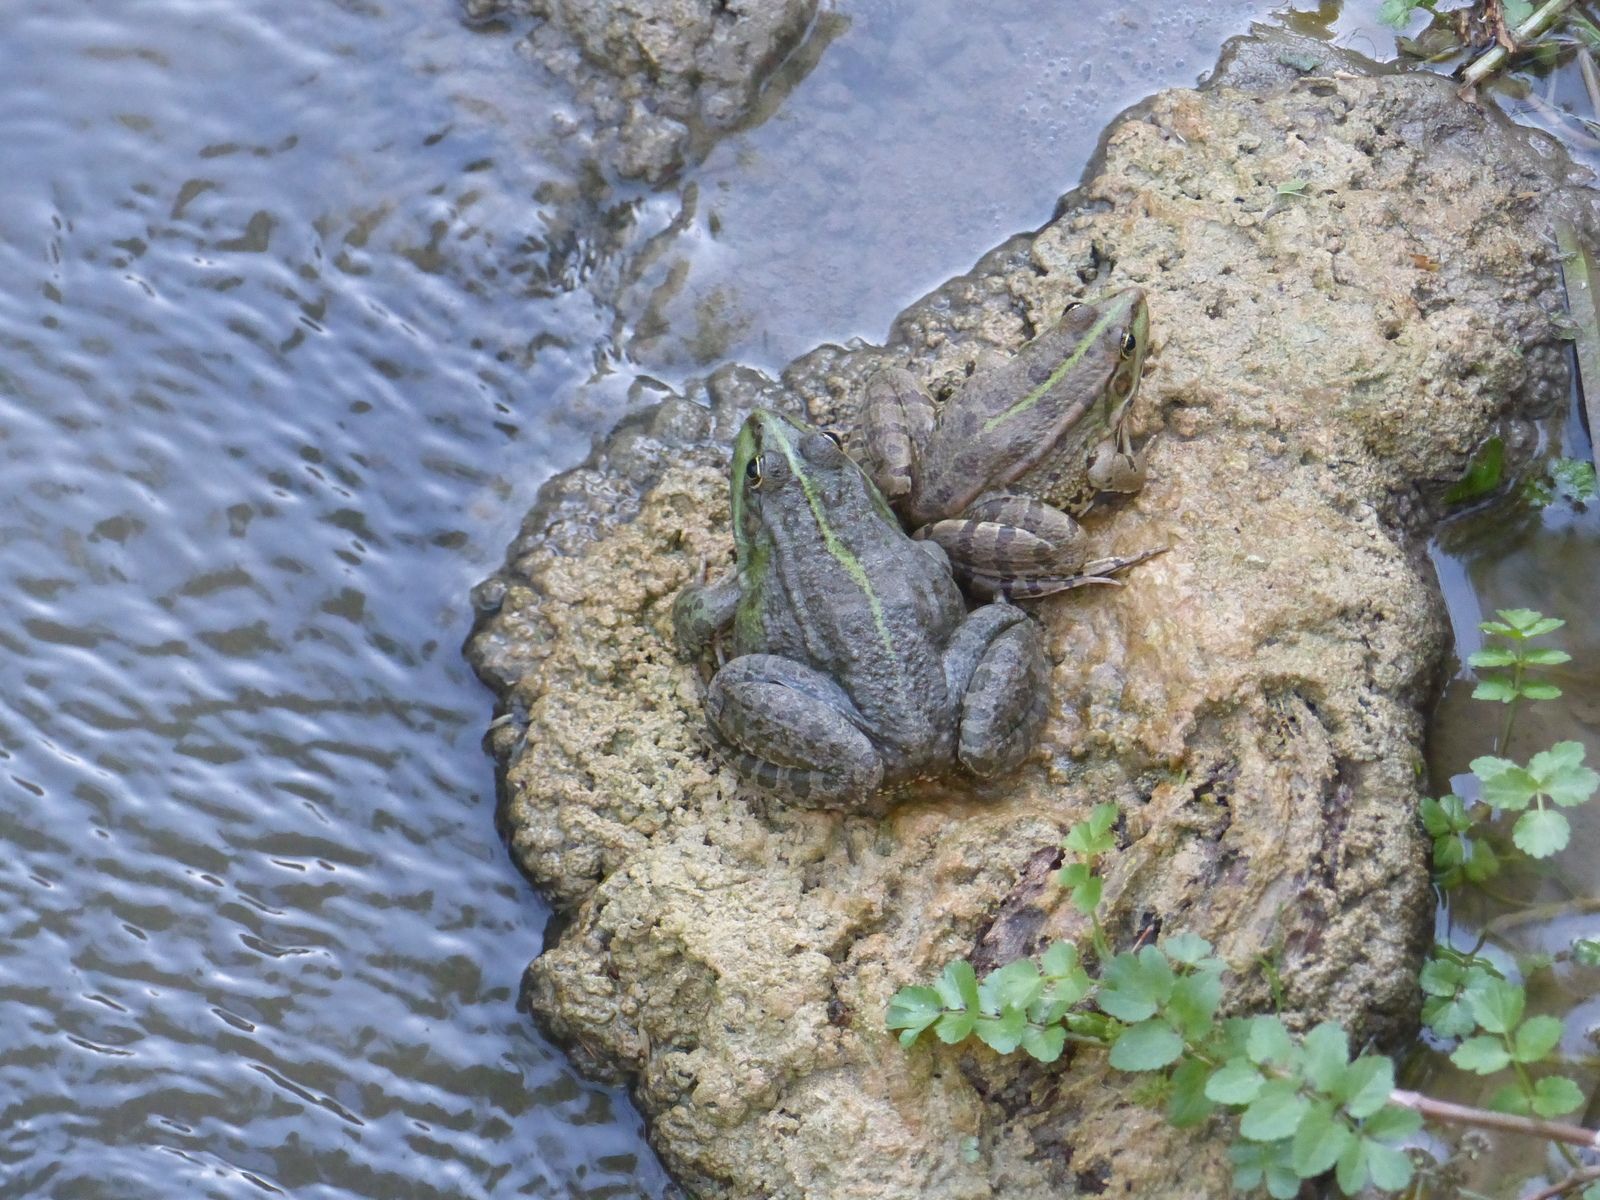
(1327, 359)
(661, 78)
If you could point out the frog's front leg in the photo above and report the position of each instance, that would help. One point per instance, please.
(702, 609)
(896, 421)
(1114, 465)
(996, 667)
(787, 728)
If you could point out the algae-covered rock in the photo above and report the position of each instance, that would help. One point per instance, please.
(661, 78)
(1351, 286)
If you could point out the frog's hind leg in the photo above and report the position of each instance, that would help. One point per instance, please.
(1005, 693)
(789, 729)
(896, 419)
(1031, 587)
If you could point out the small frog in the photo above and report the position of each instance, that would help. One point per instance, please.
(855, 665)
(998, 474)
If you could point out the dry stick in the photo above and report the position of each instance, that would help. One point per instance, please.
(1578, 907)
(1570, 1184)
(1482, 1118)
(1591, 79)
(1542, 18)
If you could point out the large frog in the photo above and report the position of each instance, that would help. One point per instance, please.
(998, 475)
(855, 666)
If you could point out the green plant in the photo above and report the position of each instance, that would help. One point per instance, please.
(1305, 1106)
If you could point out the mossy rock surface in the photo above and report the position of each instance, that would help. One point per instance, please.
(1326, 361)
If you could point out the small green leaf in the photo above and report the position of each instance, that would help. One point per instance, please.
(1491, 656)
(1391, 1123)
(1193, 1002)
(1320, 1140)
(1236, 1082)
(1495, 688)
(913, 1009)
(1510, 1098)
(1186, 948)
(1390, 1168)
(1498, 1004)
(1093, 836)
(1147, 1046)
(1556, 1096)
(1268, 1042)
(1482, 862)
(1365, 1085)
(1351, 1169)
(1014, 986)
(1441, 976)
(1003, 1034)
(1539, 691)
(1292, 187)
(1562, 775)
(1541, 833)
(1542, 656)
(1086, 896)
(956, 1026)
(1483, 1055)
(1044, 1044)
(1448, 1017)
(957, 985)
(1528, 622)
(1505, 785)
(1395, 13)
(1327, 1051)
(1535, 1038)
(1187, 1103)
(1275, 1113)
(1433, 818)
(1586, 952)
(1060, 960)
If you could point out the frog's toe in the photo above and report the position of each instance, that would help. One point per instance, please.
(1004, 706)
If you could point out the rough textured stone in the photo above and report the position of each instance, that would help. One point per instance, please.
(1326, 362)
(661, 78)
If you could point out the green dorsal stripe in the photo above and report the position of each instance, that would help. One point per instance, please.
(1113, 314)
(835, 547)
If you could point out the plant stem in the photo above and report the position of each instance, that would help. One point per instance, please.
(1570, 1184)
(1582, 906)
(1511, 706)
(1482, 1118)
(1543, 17)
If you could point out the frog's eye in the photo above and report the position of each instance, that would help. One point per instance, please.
(752, 472)
(834, 436)
(1070, 307)
(1129, 344)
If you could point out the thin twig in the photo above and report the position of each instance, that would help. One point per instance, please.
(1542, 18)
(1570, 1184)
(1543, 912)
(1482, 1118)
(1591, 78)
(1497, 22)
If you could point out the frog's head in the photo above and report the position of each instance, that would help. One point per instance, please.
(1123, 318)
(787, 473)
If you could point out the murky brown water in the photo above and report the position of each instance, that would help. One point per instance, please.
(290, 332)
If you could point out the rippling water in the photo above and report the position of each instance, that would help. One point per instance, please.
(295, 301)
(268, 407)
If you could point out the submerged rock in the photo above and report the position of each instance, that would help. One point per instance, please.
(1351, 285)
(661, 78)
